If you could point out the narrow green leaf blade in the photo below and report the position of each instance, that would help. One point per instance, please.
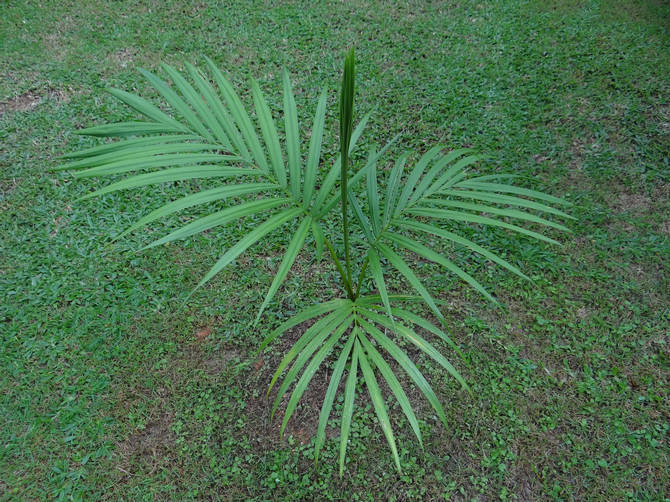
(393, 185)
(170, 175)
(379, 405)
(329, 397)
(445, 214)
(406, 364)
(362, 219)
(411, 277)
(373, 194)
(411, 317)
(348, 408)
(431, 255)
(219, 218)
(145, 108)
(422, 227)
(124, 147)
(505, 199)
(292, 137)
(290, 255)
(510, 213)
(500, 187)
(269, 132)
(198, 199)
(394, 385)
(251, 238)
(135, 152)
(378, 276)
(314, 155)
(122, 129)
(142, 163)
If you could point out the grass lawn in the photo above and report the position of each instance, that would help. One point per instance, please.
(110, 390)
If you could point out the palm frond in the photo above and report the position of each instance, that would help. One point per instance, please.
(435, 182)
(204, 131)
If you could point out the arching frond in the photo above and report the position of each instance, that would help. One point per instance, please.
(437, 181)
(202, 130)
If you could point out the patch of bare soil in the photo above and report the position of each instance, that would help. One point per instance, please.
(150, 446)
(304, 421)
(218, 363)
(631, 202)
(156, 437)
(24, 102)
(123, 57)
(30, 99)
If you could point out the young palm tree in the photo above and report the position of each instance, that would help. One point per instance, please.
(210, 134)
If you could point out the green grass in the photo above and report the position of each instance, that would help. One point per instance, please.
(110, 390)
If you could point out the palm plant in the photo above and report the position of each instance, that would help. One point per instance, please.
(210, 134)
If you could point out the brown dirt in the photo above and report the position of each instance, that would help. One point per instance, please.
(217, 364)
(304, 422)
(631, 202)
(24, 102)
(30, 99)
(151, 441)
(123, 57)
